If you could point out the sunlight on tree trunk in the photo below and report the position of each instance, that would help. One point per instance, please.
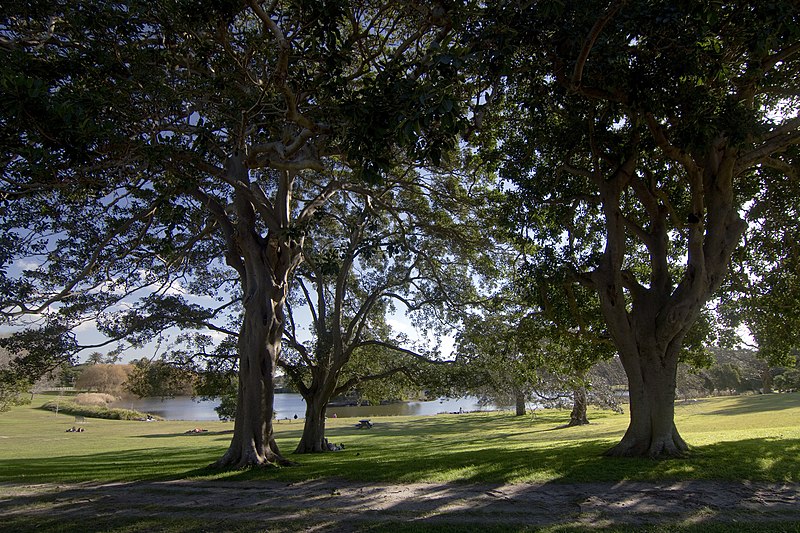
(259, 345)
(651, 432)
(519, 403)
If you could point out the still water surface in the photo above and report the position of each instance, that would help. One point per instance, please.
(287, 405)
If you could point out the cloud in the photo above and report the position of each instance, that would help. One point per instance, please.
(24, 264)
(404, 326)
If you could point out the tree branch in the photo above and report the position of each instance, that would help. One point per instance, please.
(591, 39)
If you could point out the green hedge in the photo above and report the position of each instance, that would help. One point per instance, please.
(93, 411)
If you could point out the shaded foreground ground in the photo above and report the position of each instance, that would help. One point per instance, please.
(333, 505)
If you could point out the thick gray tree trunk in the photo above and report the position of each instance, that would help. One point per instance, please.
(253, 442)
(651, 384)
(317, 398)
(313, 439)
(649, 321)
(265, 266)
(766, 379)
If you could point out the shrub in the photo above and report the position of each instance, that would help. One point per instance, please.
(226, 410)
(94, 398)
(788, 381)
(94, 411)
(13, 391)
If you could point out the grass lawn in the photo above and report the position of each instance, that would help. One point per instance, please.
(735, 438)
(749, 438)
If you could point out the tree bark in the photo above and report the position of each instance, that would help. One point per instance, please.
(766, 379)
(253, 441)
(648, 322)
(313, 438)
(265, 266)
(580, 403)
(651, 432)
(519, 400)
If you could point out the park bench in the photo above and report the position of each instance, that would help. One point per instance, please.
(364, 424)
(79, 420)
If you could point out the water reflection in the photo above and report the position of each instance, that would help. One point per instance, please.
(444, 405)
(289, 405)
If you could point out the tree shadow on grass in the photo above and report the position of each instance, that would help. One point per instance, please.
(152, 464)
(758, 459)
(577, 471)
(435, 448)
(576, 462)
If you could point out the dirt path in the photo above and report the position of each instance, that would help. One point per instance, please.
(330, 505)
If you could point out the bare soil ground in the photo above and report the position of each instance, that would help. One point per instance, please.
(331, 505)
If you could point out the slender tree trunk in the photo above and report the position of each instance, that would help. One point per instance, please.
(580, 404)
(652, 431)
(519, 400)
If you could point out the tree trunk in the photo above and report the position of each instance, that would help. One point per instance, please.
(766, 379)
(580, 404)
(313, 439)
(651, 383)
(265, 267)
(519, 402)
(253, 442)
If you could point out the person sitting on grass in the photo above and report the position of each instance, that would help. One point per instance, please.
(331, 447)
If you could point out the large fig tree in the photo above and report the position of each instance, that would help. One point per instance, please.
(154, 151)
(637, 135)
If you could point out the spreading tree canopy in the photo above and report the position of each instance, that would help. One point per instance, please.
(411, 245)
(638, 137)
(154, 151)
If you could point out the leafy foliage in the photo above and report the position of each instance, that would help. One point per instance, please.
(158, 378)
(634, 136)
(788, 381)
(13, 390)
(106, 378)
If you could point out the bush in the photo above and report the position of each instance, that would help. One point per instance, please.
(94, 398)
(90, 411)
(13, 392)
(788, 381)
(226, 410)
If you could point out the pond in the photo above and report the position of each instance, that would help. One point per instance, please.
(287, 405)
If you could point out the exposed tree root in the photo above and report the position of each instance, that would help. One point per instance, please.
(657, 449)
(574, 422)
(248, 464)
